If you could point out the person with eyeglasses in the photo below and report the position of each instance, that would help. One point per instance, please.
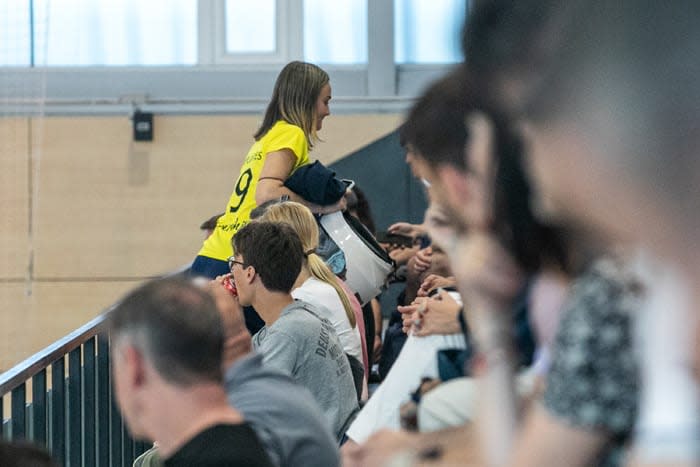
(296, 339)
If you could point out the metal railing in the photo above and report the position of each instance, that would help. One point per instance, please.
(75, 417)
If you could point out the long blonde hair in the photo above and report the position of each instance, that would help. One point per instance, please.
(294, 99)
(302, 221)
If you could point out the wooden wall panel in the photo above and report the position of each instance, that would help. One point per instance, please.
(112, 208)
(110, 212)
(13, 327)
(135, 207)
(14, 197)
(30, 322)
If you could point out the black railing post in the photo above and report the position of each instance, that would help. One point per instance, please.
(103, 402)
(19, 418)
(39, 409)
(75, 414)
(84, 433)
(58, 409)
(128, 447)
(77, 419)
(89, 399)
(115, 421)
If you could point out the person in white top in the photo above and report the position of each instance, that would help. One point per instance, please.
(326, 298)
(316, 283)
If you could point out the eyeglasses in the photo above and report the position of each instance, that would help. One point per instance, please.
(232, 261)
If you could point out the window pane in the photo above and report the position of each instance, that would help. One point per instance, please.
(251, 26)
(14, 33)
(116, 32)
(428, 31)
(335, 31)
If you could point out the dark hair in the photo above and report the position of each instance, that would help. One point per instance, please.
(506, 43)
(24, 454)
(177, 326)
(504, 34)
(436, 126)
(357, 202)
(637, 61)
(274, 250)
(532, 243)
(210, 224)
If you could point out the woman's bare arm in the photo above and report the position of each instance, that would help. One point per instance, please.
(277, 168)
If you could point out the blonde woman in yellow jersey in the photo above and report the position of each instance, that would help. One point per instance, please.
(289, 129)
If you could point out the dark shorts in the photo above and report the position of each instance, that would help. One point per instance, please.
(208, 267)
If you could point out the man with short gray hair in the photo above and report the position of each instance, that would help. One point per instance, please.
(167, 346)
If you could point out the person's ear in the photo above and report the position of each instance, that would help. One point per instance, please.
(454, 184)
(135, 366)
(250, 274)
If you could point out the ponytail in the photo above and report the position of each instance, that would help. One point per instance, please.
(319, 270)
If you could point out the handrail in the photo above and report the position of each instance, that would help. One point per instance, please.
(24, 370)
(74, 413)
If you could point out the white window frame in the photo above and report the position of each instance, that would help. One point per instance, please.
(288, 40)
(226, 83)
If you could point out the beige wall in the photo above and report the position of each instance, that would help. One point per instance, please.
(104, 213)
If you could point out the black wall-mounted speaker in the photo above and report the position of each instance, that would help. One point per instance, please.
(143, 126)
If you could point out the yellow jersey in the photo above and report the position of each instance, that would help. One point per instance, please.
(282, 135)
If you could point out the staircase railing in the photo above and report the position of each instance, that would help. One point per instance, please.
(75, 416)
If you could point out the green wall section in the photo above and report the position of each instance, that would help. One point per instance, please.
(380, 170)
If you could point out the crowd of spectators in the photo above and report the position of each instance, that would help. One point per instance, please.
(547, 314)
